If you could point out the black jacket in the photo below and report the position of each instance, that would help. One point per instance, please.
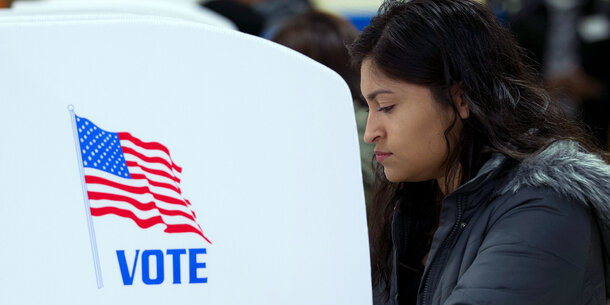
(537, 232)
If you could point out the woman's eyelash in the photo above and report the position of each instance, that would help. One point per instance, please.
(386, 109)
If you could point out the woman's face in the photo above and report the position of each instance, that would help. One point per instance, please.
(407, 125)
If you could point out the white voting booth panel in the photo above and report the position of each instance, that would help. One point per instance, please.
(189, 11)
(265, 137)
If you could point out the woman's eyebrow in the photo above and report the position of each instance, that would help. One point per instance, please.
(374, 94)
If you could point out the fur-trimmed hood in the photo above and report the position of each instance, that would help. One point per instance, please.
(571, 171)
(575, 173)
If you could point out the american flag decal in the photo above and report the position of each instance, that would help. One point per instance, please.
(133, 179)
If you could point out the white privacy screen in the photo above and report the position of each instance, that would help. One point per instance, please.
(220, 168)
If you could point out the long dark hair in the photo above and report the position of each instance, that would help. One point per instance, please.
(444, 45)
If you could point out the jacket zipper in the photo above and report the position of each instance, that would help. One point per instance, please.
(444, 245)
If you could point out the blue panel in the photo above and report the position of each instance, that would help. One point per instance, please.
(360, 21)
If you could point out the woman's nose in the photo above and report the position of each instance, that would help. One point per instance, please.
(373, 131)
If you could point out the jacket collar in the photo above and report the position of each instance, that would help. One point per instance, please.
(570, 170)
(573, 172)
(488, 172)
(564, 166)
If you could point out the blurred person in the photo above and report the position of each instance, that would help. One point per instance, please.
(569, 41)
(324, 38)
(269, 15)
(486, 193)
(247, 19)
(278, 12)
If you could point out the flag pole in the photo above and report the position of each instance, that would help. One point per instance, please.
(96, 258)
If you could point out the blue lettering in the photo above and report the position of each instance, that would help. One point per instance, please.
(194, 265)
(146, 267)
(128, 272)
(127, 276)
(175, 253)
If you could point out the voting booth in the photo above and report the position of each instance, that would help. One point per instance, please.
(180, 9)
(153, 160)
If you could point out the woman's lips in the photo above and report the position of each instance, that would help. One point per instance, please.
(380, 156)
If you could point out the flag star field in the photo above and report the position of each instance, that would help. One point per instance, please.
(101, 149)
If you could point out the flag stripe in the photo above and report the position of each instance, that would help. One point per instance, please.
(155, 183)
(149, 146)
(185, 228)
(153, 166)
(152, 153)
(140, 181)
(152, 171)
(142, 223)
(135, 170)
(146, 223)
(167, 219)
(148, 152)
(100, 188)
(143, 206)
(133, 152)
(133, 189)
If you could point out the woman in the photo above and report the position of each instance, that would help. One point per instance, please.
(486, 194)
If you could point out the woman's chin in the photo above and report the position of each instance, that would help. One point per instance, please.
(401, 176)
(393, 176)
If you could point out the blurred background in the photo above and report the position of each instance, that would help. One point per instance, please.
(567, 41)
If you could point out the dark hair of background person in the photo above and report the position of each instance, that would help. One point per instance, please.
(247, 19)
(449, 45)
(324, 38)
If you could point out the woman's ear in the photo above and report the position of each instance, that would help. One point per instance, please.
(460, 102)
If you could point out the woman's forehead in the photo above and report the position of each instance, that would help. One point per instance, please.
(374, 79)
